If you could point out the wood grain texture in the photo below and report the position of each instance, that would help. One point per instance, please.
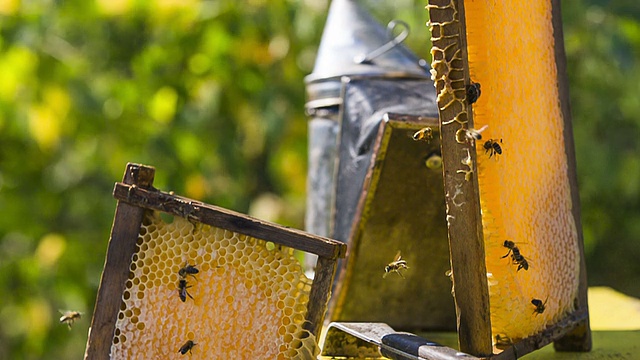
(122, 243)
(580, 338)
(320, 293)
(541, 339)
(466, 242)
(229, 220)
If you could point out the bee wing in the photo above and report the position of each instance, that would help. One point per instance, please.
(66, 314)
(398, 256)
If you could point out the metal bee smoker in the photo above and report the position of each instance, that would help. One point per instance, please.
(369, 184)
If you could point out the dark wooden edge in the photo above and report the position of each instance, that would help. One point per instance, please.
(193, 210)
(466, 239)
(320, 294)
(121, 246)
(391, 121)
(580, 338)
(560, 330)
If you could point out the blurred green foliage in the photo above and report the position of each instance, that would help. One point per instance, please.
(212, 94)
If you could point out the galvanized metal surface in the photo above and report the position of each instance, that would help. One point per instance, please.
(350, 34)
(366, 100)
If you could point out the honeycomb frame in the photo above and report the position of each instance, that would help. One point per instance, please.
(568, 328)
(239, 258)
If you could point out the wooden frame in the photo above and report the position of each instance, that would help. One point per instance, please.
(136, 194)
(465, 233)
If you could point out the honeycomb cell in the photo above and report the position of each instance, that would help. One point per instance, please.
(288, 337)
(298, 319)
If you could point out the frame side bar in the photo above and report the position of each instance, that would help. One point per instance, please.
(122, 243)
(579, 339)
(320, 293)
(450, 70)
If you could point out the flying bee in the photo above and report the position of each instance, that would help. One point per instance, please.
(475, 134)
(516, 257)
(492, 147)
(424, 134)
(187, 347)
(188, 270)
(395, 266)
(182, 290)
(473, 92)
(69, 317)
(540, 306)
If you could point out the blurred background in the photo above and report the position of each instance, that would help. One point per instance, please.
(211, 93)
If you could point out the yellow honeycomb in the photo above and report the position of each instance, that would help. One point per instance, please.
(249, 298)
(524, 192)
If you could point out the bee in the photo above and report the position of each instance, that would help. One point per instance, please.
(503, 341)
(69, 317)
(515, 255)
(188, 270)
(540, 306)
(473, 134)
(395, 266)
(187, 347)
(182, 290)
(473, 92)
(425, 134)
(433, 161)
(492, 147)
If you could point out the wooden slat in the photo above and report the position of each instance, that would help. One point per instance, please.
(122, 243)
(229, 220)
(319, 296)
(545, 337)
(580, 338)
(466, 241)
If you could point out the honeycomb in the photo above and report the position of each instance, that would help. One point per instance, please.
(249, 297)
(524, 192)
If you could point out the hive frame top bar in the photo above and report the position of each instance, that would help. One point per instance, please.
(193, 210)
